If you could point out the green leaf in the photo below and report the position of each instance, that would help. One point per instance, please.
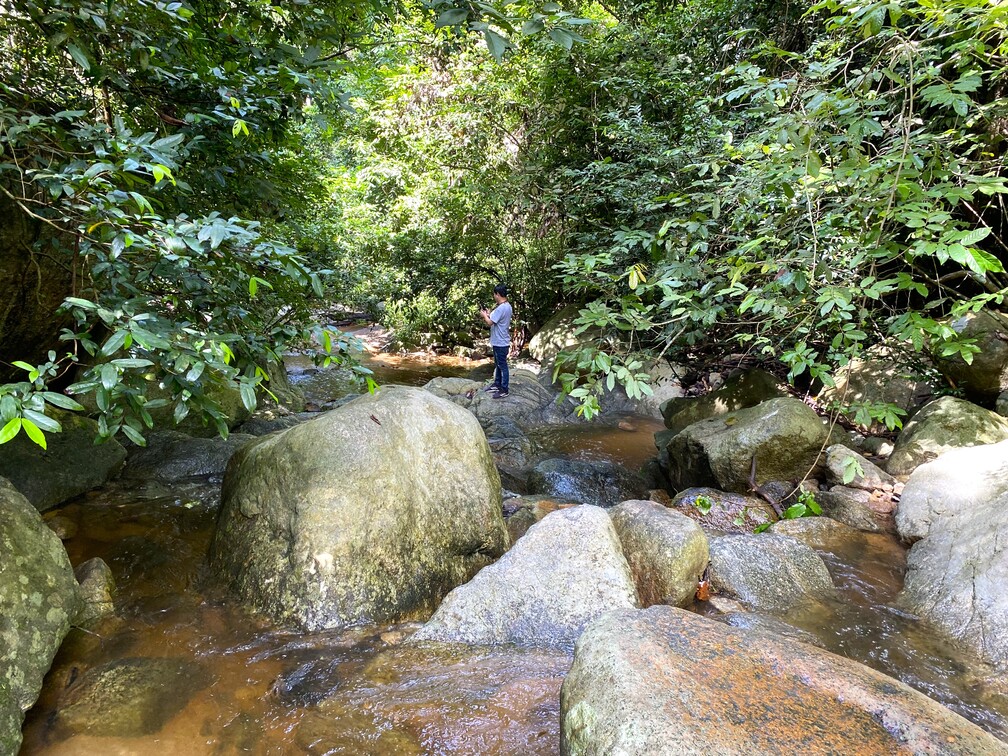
(33, 432)
(114, 343)
(43, 421)
(24, 365)
(109, 375)
(248, 396)
(496, 44)
(452, 17)
(82, 60)
(62, 401)
(134, 435)
(10, 430)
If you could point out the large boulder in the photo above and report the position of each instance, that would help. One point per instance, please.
(946, 423)
(601, 483)
(768, 572)
(70, 465)
(530, 403)
(39, 598)
(558, 334)
(845, 467)
(664, 680)
(955, 511)
(881, 377)
(370, 513)
(986, 375)
(783, 435)
(744, 389)
(666, 550)
(565, 571)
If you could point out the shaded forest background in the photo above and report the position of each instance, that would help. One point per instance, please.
(184, 186)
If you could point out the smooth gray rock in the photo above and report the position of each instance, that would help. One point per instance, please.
(70, 465)
(529, 404)
(39, 598)
(784, 435)
(666, 681)
(369, 513)
(768, 572)
(565, 571)
(666, 550)
(946, 423)
(171, 456)
(955, 511)
(603, 484)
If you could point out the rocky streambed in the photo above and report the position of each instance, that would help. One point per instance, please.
(346, 608)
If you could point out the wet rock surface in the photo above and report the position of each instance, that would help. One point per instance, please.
(172, 456)
(635, 688)
(563, 572)
(601, 483)
(97, 591)
(129, 697)
(722, 511)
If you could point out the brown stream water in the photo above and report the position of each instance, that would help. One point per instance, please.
(252, 687)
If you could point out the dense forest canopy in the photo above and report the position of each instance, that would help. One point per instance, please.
(779, 180)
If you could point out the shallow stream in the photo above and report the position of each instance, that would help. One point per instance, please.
(252, 687)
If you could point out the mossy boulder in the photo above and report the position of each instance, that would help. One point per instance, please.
(369, 513)
(784, 436)
(744, 389)
(944, 424)
(39, 599)
(71, 464)
(986, 375)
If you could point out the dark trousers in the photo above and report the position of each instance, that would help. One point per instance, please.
(501, 375)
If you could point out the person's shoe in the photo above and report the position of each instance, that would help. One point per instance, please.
(492, 388)
(501, 395)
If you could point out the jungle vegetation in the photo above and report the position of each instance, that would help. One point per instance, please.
(773, 180)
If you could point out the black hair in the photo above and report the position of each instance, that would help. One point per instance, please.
(500, 289)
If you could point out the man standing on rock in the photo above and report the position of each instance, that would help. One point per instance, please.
(499, 321)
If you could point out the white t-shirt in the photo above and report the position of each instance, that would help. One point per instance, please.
(500, 321)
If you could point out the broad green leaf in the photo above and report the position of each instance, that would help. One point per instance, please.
(496, 44)
(62, 401)
(33, 432)
(452, 17)
(44, 422)
(10, 430)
